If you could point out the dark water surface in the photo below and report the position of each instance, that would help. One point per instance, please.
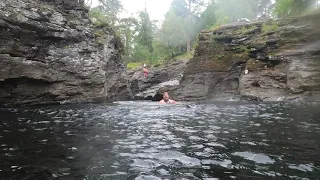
(145, 140)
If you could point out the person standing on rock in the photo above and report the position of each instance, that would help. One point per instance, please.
(166, 99)
(145, 70)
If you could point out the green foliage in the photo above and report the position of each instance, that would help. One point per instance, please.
(240, 49)
(269, 26)
(196, 44)
(162, 52)
(234, 11)
(97, 16)
(145, 42)
(173, 32)
(208, 18)
(110, 9)
(145, 30)
(245, 29)
(179, 8)
(227, 11)
(220, 56)
(134, 65)
(184, 20)
(158, 63)
(286, 8)
(141, 53)
(222, 19)
(106, 12)
(253, 65)
(98, 33)
(262, 7)
(126, 28)
(185, 56)
(283, 8)
(181, 25)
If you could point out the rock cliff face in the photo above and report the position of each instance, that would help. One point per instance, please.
(160, 79)
(50, 52)
(282, 58)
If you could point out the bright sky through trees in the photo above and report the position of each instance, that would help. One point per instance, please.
(156, 9)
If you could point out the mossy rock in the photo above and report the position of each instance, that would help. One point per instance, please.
(204, 36)
(213, 63)
(269, 27)
(134, 65)
(253, 65)
(247, 29)
(223, 38)
(100, 36)
(240, 49)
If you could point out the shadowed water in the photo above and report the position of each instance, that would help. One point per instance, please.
(144, 140)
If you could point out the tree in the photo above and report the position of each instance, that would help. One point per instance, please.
(145, 30)
(172, 32)
(143, 38)
(141, 53)
(208, 17)
(262, 7)
(182, 19)
(194, 9)
(179, 7)
(162, 52)
(285, 8)
(234, 11)
(126, 28)
(108, 8)
(97, 16)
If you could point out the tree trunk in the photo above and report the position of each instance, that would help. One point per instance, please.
(188, 43)
(189, 33)
(127, 41)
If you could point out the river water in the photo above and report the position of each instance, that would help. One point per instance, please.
(145, 140)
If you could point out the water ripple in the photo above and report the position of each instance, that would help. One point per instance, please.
(145, 140)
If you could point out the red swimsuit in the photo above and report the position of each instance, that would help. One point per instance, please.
(145, 72)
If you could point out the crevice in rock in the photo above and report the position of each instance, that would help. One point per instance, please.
(255, 84)
(157, 97)
(23, 79)
(25, 90)
(12, 54)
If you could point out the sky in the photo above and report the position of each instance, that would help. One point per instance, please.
(156, 8)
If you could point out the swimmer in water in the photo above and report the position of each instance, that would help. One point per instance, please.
(166, 99)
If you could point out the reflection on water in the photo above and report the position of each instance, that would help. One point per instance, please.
(142, 140)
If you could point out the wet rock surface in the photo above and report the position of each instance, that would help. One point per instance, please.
(50, 52)
(160, 79)
(282, 58)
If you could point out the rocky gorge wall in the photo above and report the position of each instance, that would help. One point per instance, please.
(50, 51)
(282, 58)
(160, 79)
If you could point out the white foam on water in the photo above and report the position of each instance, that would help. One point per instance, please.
(258, 158)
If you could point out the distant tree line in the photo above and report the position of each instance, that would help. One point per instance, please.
(145, 41)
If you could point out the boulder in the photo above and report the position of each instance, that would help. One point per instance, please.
(50, 52)
(159, 79)
(282, 62)
(155, 92)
